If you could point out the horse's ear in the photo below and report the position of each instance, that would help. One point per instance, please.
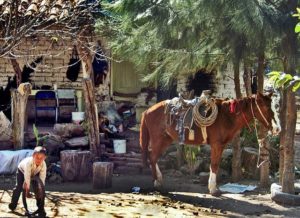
(259, 95)
(270, 94)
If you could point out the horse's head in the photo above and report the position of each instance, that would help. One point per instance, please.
(266, 110)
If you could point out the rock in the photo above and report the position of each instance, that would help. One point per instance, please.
(52, 159)
(223, 174)
(55, 178)
(68, 130)
(78, 142)
(185, 170)
(203, 177)
(6, 145)
(205, 149)
(6, 133)
(53, 144)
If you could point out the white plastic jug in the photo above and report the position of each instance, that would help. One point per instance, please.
(119, 146)
(77, 117)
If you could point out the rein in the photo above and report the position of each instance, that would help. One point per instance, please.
(258, 165)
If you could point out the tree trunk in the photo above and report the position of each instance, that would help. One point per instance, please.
(288, 173)
(19, 103)
(102, 174)
(17, 70)
(282, 134)
(289, 47)
(247, 79)
(236, 143)
(263, 143)
(90, 103)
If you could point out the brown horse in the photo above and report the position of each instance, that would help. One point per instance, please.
(156, 134)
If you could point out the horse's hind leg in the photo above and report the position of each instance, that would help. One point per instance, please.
(157, 147)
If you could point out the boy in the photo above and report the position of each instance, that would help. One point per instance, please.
(27, 169)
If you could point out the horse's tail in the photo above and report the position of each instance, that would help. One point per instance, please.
(144, 139)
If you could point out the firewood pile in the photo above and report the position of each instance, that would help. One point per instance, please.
(130, 163)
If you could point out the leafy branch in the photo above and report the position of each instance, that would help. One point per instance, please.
(282, 79)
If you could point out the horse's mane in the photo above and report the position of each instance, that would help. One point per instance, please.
(225, 103)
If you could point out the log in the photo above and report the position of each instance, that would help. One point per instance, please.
(123, 155)
(128, 170)
(76, 165)
(124, 163)
(19, 103)
(249, 162)
(77, 142)
(125, 159)
(102, 175)
(68, 130)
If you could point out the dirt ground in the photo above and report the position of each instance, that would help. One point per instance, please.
(181, 197)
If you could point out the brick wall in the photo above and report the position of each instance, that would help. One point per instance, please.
(53, 68)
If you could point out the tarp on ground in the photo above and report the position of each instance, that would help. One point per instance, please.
(9, 160)
(236, 188)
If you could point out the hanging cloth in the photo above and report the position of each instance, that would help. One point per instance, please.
(74, 66)
(100, 67)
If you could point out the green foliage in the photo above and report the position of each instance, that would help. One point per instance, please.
(284, 80)
(297, 27)
(190, 156)
(36, 134)
(85, 126)
(167, 38)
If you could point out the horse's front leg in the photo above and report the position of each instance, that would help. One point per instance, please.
(216, 155)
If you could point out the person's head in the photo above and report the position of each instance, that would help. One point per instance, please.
(39, 155)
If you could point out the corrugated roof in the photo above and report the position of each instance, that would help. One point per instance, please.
(48, 9)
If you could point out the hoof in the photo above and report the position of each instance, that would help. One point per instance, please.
(216, 193)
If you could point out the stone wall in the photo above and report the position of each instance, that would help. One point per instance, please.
(224, 83)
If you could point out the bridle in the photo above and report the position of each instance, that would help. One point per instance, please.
(259, 110)
(253, 115)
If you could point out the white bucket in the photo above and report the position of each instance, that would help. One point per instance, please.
(77, 117)
(119, 146)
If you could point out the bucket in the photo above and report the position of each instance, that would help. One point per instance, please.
(119, 146)
(77, 117)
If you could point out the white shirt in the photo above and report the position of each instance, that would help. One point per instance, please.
(29, 168)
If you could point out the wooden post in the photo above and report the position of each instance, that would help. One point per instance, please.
(19, 103)
(90, 102)
(92, 116)
(102, 174)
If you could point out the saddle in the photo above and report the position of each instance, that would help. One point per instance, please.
(183, 112)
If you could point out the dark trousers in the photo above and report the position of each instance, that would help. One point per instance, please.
(40, 198)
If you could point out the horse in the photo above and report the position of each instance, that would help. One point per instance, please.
(156, 133)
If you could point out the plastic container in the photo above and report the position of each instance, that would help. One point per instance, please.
(77, 117)
(119, 146)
